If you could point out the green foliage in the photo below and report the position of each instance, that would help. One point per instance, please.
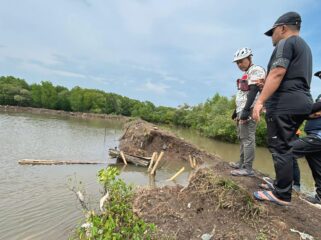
(117, 221)
(14, 91)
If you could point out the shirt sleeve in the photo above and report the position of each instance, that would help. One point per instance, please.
(255, 74)
(284, 53)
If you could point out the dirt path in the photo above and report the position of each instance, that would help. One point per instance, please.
(214, 202)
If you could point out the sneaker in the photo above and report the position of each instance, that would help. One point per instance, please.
(236, 165)
(296, 188)
(242, 172)
(313, 199)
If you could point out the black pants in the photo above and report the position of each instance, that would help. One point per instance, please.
(310, 147)
(296, 173)
(281, 130)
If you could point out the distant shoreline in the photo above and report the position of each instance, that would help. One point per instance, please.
(80, 115)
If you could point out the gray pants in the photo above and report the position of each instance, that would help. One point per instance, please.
(246, 135)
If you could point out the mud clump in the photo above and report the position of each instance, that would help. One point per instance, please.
(141, 138)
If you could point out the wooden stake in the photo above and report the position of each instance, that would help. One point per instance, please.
(194, 162)
(176, 174)
(156, 163)
(190, 161)
(154, 156)
(123, 157)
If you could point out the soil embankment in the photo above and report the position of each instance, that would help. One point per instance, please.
(213, 203)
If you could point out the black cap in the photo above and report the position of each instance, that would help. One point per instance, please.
(318, 74)
(289, 18)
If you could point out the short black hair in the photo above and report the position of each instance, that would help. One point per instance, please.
(294, 27)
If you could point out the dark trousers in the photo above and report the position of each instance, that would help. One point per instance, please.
(281, 130)
(296, 173)
(310, 147)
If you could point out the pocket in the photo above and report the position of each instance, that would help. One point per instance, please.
(272, 133)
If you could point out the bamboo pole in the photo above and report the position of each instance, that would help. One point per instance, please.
(157, 162)
(123, 157)
(176, 174)
(190, 161)
(154, 156)
(194, 162)
(53, 162)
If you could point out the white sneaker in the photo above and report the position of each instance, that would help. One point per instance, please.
(243, 172)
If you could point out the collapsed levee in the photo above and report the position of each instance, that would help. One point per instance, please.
(142, 139)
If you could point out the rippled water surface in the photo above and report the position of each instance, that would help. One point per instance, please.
(36, 202)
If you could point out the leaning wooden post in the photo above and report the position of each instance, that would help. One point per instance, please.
(178, 173)
(156, 163)
(194, 162)
(123, 157)
(190, 161)
(154, 156)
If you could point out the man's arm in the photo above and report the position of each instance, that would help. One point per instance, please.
(250, 99)
(316, 111)
(272, 83)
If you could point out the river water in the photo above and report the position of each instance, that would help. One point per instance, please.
(36, 201)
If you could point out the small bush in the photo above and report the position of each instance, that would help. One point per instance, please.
(117, 220)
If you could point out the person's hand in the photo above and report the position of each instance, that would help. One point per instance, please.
(257, 111)
(245, 114)
(259, 83)
(315, 115)
(244, 121)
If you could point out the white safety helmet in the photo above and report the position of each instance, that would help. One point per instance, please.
(242, 53)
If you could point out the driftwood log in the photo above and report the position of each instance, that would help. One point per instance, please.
(137, 160)
(53, 162)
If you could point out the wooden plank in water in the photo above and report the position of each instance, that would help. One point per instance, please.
(53, 162)
(140, 161)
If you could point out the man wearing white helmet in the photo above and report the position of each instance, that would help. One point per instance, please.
(247, 92)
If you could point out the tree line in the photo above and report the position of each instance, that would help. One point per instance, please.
(212, 118)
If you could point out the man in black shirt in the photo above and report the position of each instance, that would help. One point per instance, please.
(287, 98)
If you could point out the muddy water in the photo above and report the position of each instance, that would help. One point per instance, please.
(36, 202)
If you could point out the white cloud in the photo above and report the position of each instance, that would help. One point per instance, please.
(183, 46)
(155, 88)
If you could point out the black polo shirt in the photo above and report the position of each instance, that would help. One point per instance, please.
(293, 95)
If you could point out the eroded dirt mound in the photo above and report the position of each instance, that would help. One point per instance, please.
(208, 205)
(142, 139)
(214, 202)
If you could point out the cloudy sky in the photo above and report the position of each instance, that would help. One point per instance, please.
(168, 52)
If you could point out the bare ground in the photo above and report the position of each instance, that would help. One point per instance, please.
(214, 202)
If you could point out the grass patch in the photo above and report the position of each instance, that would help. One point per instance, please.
(226, 194)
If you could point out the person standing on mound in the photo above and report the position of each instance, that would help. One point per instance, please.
(287, 99)
(247, 92)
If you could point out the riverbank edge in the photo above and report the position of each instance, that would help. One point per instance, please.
(79, 115)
